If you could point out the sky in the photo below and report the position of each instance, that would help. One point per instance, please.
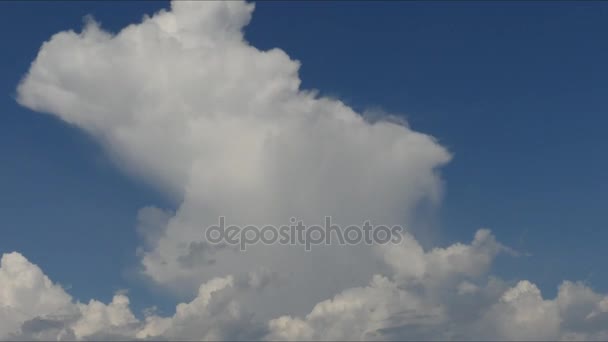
(513, 94)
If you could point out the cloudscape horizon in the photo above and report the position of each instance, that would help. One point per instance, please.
(293, 214)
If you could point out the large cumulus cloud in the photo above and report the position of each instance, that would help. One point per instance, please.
(184, 102)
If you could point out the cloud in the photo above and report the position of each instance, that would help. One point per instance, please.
(25, 292)
(32, 307)
(406, 309)
(212, 315)
(183, 101)
(388, 308)
(422, 299)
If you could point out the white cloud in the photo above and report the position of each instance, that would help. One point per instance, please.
(359, 314)
(423, 300)
(32, 306)
(25, 292)
(213, 315)
(96, 317)
(394, 310)
(182, 100)
(441, 264)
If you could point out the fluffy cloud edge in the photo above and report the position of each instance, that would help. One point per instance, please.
(428, 305)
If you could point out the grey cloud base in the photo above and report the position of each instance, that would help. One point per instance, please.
(184, 102)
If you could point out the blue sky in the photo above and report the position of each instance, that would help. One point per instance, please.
(516, 91)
